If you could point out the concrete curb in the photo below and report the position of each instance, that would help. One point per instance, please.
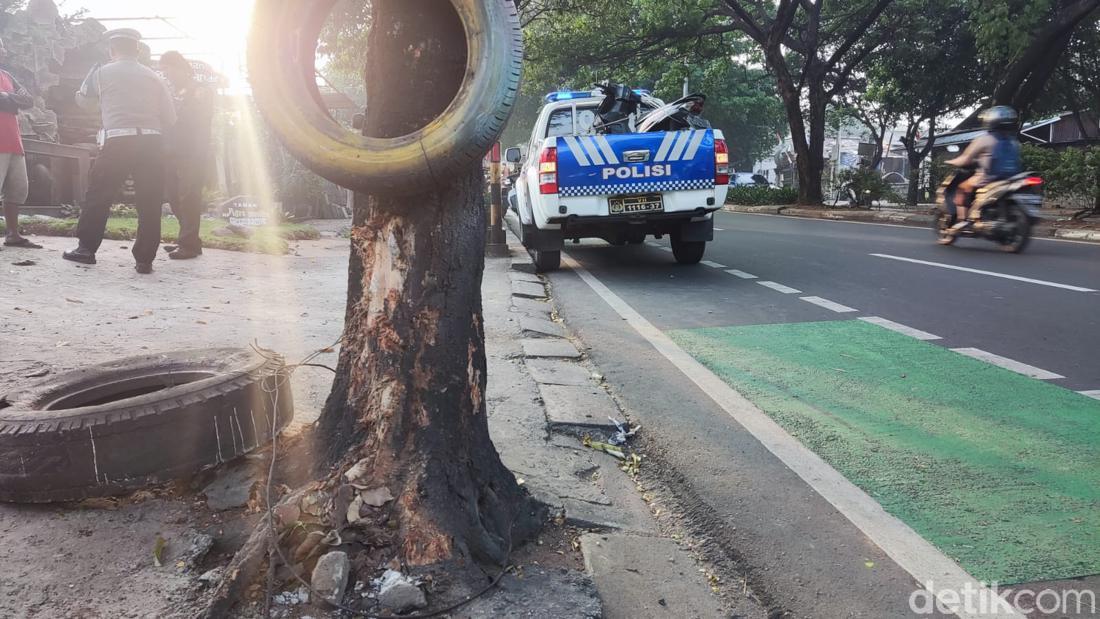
(897, 217)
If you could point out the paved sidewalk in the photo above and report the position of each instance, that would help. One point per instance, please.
(543, 396)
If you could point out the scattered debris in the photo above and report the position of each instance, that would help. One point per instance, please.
(292, 598)
(39, 373)
(201, 544)
(400, 593)
(231, 489)
(624, 433)
(211, 578)
(376, 497)
(25, 263)
(330, 576)
(77, 301)
(604, 447)
(357, 470)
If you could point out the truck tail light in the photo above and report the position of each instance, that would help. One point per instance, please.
(548, 171)
(721, 163)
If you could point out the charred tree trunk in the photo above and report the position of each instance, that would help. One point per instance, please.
(408, 403)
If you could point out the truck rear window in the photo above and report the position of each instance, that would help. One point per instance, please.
(563, 122)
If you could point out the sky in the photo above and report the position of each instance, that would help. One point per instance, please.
(213, 31)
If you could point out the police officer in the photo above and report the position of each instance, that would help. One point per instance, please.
(137, 109)
(188, 147)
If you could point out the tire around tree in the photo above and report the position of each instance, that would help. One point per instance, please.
(115, 427)
(281, 63)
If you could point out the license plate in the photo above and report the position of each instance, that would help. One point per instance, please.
(625, 205)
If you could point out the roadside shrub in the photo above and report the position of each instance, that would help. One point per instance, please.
(869, 186)
(761, 196)
(1071, 177)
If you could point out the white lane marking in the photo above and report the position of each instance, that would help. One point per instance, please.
(900, 328)
(1016, 278)
(875, 223)
(780, 288)
(830, 305)
(741, 274)
(914, 554)
(1091, 394)
(1008, 364)
(713, 265)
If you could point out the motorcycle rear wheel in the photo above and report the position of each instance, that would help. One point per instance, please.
(941, 224)
(1019, 241)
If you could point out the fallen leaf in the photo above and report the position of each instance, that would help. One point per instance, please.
(357, 470)
(869, 564)
(158, 550)
(78, 301)
(200, 322)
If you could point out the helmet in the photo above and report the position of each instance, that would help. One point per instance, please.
(1000, 117)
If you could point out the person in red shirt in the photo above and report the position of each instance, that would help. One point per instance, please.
(14, 184)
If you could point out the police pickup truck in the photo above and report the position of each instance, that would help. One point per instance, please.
(575, 182)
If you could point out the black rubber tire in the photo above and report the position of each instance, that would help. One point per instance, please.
(546, 261)
(1023, 234)
(688, 252)
(112, 428)
(281, 65)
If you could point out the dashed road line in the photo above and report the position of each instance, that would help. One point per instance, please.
(1091, 394)
(713, 265)
(780, 288)
(914, 554)
(1008, 364)
(830, 305)
(900, 328)
(1016, 278)
(741, 274)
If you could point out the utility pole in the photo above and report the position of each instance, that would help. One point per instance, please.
(497, 242)
(687, 85)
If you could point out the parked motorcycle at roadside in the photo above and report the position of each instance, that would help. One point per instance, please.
(1003, 212)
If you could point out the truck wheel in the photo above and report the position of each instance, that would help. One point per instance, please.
(546, 261)
(688, 252)
(111, 428)
(282, 50)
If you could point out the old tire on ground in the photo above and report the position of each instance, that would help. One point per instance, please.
(111, 428)
(281, 63)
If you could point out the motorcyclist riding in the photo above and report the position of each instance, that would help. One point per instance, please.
(995, 155)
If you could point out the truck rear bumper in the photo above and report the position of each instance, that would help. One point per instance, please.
(694, 225)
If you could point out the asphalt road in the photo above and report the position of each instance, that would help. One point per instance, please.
(1038, 312)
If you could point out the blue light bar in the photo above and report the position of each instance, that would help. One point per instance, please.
(566, 95)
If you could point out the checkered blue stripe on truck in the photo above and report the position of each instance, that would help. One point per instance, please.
(654, 187)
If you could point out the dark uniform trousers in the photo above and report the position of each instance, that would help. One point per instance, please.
(140, 157)
(185, 181)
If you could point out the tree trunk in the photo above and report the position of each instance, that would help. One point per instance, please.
(408, 402)
(915, 159)
(1027, 76)
(818, 103)
(809, 177)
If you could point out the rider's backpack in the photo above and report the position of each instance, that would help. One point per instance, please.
(1006, 161)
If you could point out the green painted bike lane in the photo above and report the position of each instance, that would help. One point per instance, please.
(1001, 472)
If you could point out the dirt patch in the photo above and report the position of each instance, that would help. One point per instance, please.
(95, 559)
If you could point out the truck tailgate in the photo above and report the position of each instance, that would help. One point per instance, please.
(605, 165)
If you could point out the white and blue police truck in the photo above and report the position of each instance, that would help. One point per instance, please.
(575, 183)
